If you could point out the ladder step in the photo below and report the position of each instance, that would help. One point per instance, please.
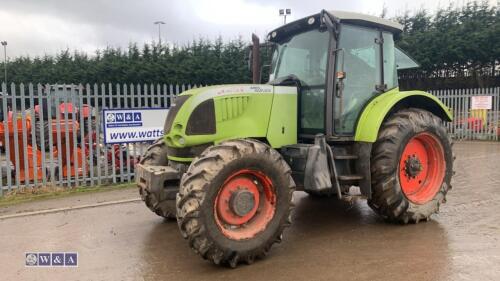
(350, 177)
(345, 157)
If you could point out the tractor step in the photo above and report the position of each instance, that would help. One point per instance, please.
(345, 157)
(350, 177)
(353, 194)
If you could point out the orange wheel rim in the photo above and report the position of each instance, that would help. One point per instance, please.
(422, 168)
(245, 204)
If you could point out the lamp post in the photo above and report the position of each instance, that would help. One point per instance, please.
(284, 13)
(159, 23)
(4, 44)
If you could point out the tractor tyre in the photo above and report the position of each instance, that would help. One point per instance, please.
(235, 201)
(161, 203)
(411, 167)
(45, 130)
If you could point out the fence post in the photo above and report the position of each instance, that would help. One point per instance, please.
(15, 131)
(50, 125)
(33, 136)
(24, 131)
(496, 106)
(89, 138)
(81, 123)
(98, 132)
(127, 150)
(120, 154)
(7, 145)
(74, 131)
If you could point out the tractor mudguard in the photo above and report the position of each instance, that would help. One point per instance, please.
(378, 109)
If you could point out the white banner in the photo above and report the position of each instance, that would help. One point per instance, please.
(133, 125)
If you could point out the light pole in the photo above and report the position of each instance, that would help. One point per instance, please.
(159, 23)
(284, 13)
(4, 44)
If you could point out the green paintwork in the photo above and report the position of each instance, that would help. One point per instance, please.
(270, 112)
(241, 111)
(282, 129)
(374, 113)
(180, 159)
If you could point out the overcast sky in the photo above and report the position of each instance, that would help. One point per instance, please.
(38, 27)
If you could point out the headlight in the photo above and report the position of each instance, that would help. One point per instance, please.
(180, 140)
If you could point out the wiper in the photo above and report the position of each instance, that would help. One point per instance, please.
(289, 80)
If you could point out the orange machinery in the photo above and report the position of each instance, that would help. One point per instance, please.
(69, 154)
(24, 175)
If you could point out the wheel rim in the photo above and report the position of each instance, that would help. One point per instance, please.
(422, 168)
(245, 204)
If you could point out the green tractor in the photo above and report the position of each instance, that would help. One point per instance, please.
(330, 118)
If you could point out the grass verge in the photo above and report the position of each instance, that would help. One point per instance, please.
(49, 192)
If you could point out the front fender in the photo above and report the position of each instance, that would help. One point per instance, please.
(376, 111)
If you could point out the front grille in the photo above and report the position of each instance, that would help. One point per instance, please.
(172, 112)
(202, 120)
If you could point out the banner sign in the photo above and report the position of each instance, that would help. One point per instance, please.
(133, 125)
(481, 102)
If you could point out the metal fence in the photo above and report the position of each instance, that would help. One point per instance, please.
(53, 137)
(469, 123)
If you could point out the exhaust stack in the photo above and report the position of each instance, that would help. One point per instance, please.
(255, 59)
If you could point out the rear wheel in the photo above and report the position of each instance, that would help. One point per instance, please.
(161, 203)
(412, 164)
(235, 201)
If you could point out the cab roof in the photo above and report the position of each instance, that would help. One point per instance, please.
(340, 16)
(363, 19)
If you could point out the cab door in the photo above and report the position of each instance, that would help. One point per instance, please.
(359, 56)
(305, 56)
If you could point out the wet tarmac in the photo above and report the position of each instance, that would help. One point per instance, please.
(328, 240)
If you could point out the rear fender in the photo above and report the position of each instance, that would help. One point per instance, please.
(384, 105)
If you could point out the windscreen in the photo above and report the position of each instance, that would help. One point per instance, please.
(305, 55)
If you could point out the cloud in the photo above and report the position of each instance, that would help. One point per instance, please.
(36, 27)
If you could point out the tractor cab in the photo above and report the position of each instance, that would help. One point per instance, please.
(340, 61)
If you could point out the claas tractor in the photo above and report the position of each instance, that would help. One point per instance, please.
(331, 122)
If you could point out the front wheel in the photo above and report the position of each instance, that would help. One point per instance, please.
(411, 166)
(235, 201)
